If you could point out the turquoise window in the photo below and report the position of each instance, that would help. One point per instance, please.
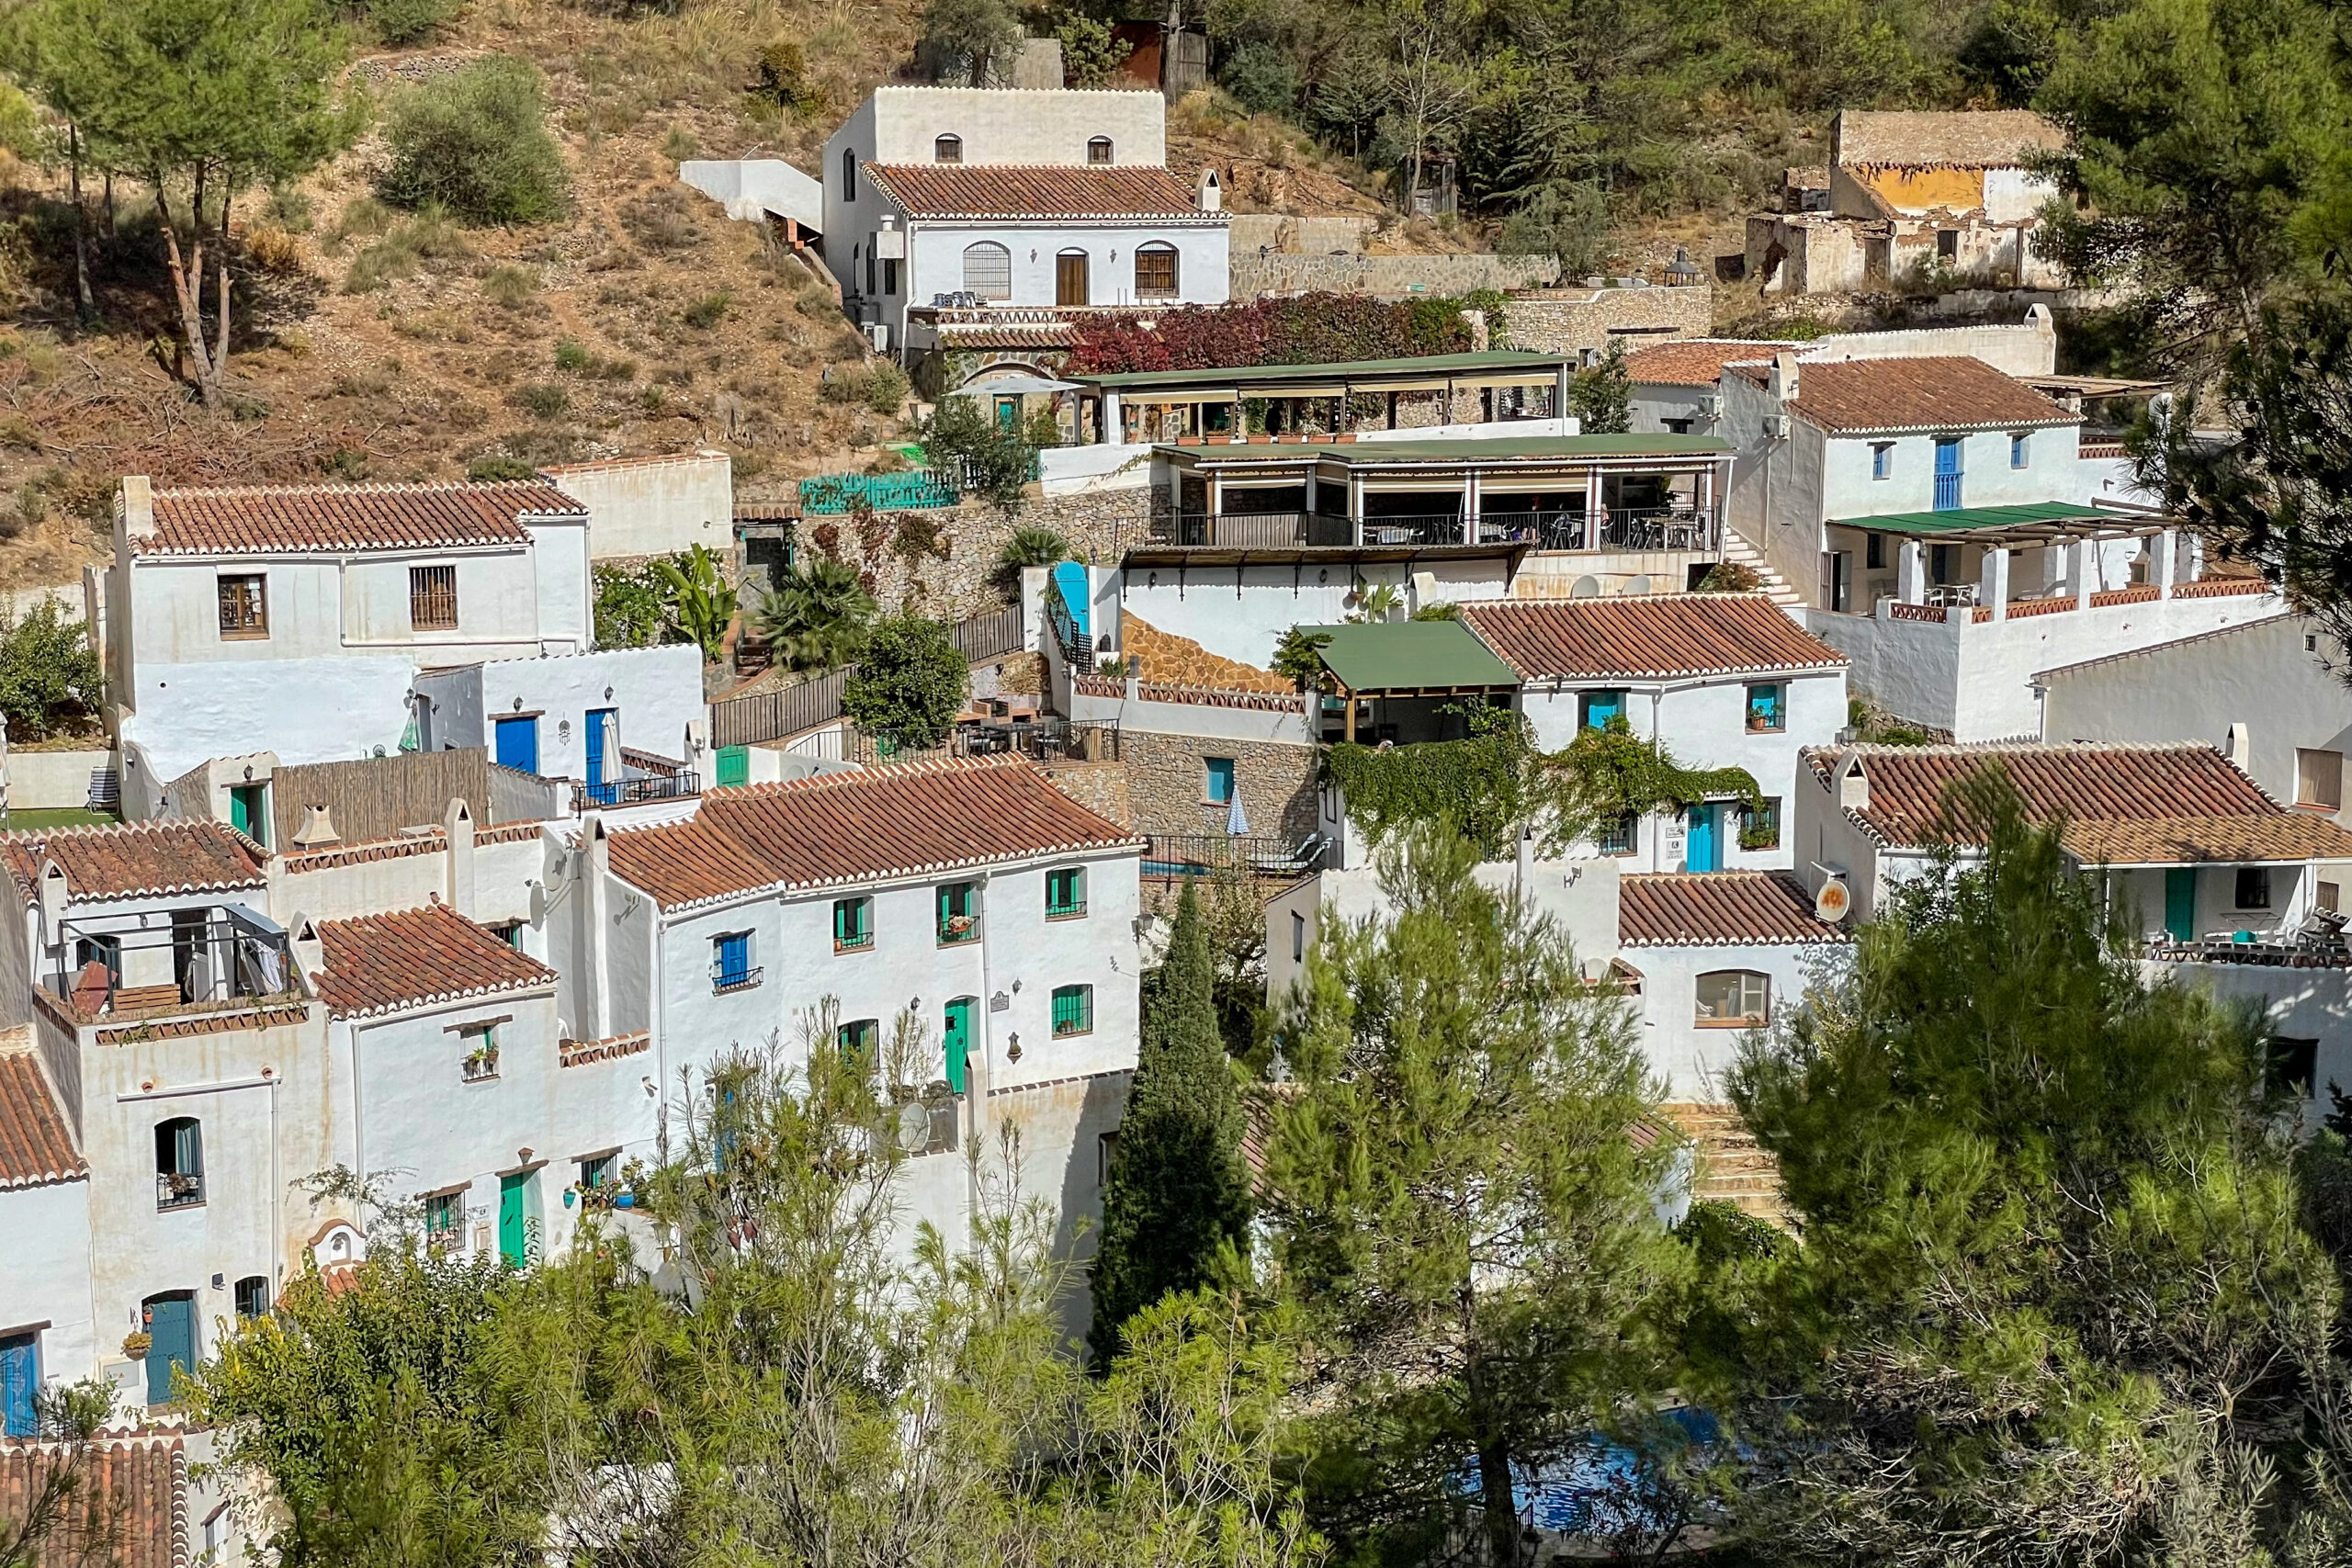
(1766, 707)
(1073, 1010)
(1595, 709)
(1064, 892)
(853, 924)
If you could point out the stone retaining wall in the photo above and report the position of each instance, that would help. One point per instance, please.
(1167, 784)
(1570, 321)
(1254, 276)
(942, 562)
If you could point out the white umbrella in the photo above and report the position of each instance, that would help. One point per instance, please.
(1237, 821)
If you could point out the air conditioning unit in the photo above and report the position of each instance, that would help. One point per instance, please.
(879, 333)
(1711, 406)
(1776, 427)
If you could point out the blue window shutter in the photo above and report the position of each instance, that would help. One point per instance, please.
(19, 1376)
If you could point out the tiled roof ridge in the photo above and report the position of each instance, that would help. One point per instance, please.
(209, 1023)
(1954, 747)
(1205, 696)
(421, 486)
(873, 773)
(612, 1047)
(432, 840)
(508, 832)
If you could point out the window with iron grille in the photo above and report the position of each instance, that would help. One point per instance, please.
(947, 150)
(1073, 1010)
(444, 1213)
(1155, 272)
(1097, 150)
(244, 605)
(1064, 892)
(988, 270)
(1621, 837)
(433, 598)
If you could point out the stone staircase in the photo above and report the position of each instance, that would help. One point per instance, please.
(1730, 1167)
(1782, 592)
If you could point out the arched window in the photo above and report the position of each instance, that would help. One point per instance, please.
(1155, 272)
(180, 1163)
(1097, 150)
(1734, 998)
(988, 270)
(947, 150)
(849, 173)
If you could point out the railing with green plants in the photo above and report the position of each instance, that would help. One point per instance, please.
(914, 490)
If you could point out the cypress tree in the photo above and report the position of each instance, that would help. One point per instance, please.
(1178, 1191)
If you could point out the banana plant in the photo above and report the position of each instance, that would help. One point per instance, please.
(703, 603)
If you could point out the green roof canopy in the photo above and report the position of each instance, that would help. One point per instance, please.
(1478, 449)
(1987, 524)
(1487, 364)
(1413, 655)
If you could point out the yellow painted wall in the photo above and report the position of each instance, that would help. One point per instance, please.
(1925, 190)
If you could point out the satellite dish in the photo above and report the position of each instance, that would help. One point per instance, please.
(1585, 588)
(1835, 901)
(1636, 585)
(914, 1126)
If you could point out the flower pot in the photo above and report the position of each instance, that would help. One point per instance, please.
(136, 1346)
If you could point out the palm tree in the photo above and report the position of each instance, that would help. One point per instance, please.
(818, 620)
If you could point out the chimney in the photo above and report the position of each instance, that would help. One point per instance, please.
(1784, 377)
(2242, 747)
(1853, 785)
(457, 827)
(135, 506)
(1208, 194)
(317, 831)
(592, 866)
(309, 952)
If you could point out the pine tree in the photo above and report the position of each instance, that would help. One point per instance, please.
(1178, 1193)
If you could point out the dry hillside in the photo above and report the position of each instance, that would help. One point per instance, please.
(456, 358)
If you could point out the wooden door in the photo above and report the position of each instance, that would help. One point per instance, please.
(955, 1039)
(1069, 279)
(513, 1232)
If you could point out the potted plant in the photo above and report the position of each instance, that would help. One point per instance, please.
(136, 1346)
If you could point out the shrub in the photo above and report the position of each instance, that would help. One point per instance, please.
(631, 611)
(50, 678)
(1092, 54)
(400, 22)
(680, 144)
(1568, 219)
(272, 249)
(476, 142)
(509, 286)
(570, 354)
(407, 247)
(497, 468)
(885, 389)
(544, 399)
(783, 75)
(972, 452)
(663, 220)
(815, 301)
(708, 311)
(1262, 78)
(908, 683)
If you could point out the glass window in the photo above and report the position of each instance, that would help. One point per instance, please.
(1297, 937)
(2017, 451)
(180, 1163)
(2254, 887)
(1155, 272)
(433, 598)
(253, 1296)
(730, 960)
(1064, 892)
(1621, 837)
(1760, 828)
(853, 925)
(1595, 709)
(1073, 1010)
(244, 605)
(1881, 460)
(947, 150)
(1734, 996)
(2319, 779)
(988, 270)
(481, 1050)
(1097, 150)
(860, 1037)
(959, 912)
(1766, 707)
(1217, 782)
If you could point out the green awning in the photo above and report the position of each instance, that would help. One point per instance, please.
(2057, 519)
(1413, 655)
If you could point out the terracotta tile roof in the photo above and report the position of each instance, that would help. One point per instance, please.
(1694, 361)
(1648, 637)
(136, 859)
(206, 1023)
(906, 819)
(259, 520)
(36, 1145)
(2115, 799)
(1960, 139)
(1014, 336)
(382, 963)
(429, 843)
(129, 1512)
(509, 834)
(1939, 392)
(1717, 909)
(580, 1053)
(999, 190)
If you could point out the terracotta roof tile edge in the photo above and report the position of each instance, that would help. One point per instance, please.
(1138, 842)
(581, 1053)
(214, 1023)
(442, 998)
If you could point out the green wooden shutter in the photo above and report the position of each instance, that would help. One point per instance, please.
(734, 765)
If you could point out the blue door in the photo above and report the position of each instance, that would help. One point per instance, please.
(955, 1039)
(2180, 903)
(1700, 851)
(1070, 578)
(513, 1222)
(171, 1324)
(603, 759)
(19, 1375)
(1947, 473)
(518, 744)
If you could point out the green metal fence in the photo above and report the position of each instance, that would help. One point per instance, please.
(913, 491)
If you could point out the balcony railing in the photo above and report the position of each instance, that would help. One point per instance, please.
(1648, 528)
(178, 1190)
(1254, 530)
(1176, 856)
(636, 789)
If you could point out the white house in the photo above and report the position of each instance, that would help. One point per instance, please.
(45, 1212)
(971, 926)
(1718, 680)
(294, 620)
(654, 505)
(1013, 198)
(2263, 693)
(629, 724)
(2224, 879)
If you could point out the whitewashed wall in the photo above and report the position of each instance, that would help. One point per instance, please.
(1694, 1057)
(1202, 603)
(641, 506)
(48, 1276)
(657, 691)
(935, 258)
(50, 780)
(1005, 125)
